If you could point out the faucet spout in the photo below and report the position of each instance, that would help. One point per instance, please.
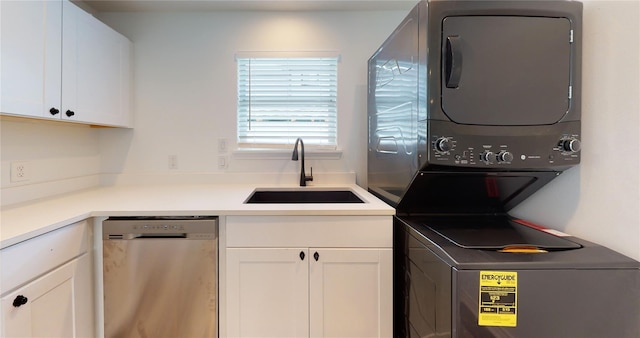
(294, 157)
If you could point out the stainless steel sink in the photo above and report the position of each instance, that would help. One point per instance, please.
(303, 196)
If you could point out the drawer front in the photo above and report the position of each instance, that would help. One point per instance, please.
(27, 260)
(309, 231)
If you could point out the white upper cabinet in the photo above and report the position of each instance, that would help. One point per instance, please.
(31, 55)
(95, 68)
(59, 62)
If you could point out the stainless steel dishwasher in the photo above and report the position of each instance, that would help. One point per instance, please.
(160, 276)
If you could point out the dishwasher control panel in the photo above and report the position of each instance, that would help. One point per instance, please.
(194, 227)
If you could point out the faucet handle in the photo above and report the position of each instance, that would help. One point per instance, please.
(310, 177)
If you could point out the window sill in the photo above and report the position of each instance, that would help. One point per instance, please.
(280, 154)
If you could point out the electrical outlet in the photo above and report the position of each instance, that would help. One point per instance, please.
(173, 162)
(222, 145)
(20, 171)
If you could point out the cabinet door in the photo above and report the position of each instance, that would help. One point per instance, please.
(267, 292)
(350, 293)
(58, 304)
(95, 70)
(30, 74)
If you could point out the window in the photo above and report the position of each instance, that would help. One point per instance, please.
(283, 98)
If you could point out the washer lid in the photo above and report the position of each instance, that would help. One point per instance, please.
(495, 233)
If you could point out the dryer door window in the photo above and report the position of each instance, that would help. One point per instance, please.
(506, 70)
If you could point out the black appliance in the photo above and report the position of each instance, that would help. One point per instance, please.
(472, 107)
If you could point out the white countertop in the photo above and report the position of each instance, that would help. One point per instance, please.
(27, 220)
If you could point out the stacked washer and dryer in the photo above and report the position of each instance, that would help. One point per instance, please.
(473, 106)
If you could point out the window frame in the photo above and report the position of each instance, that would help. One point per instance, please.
(286, 141)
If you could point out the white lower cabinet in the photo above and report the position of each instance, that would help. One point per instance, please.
(52, 305)
(53, 293)
(267, 293)
(350, 292)
(319, 288)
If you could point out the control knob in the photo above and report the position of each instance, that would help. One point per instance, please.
(571, 145)
(504, 156)
(487, 157)
(442, 144)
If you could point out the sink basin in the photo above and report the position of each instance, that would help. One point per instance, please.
(303, 196)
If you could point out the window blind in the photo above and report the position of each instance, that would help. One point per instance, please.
(281, 99)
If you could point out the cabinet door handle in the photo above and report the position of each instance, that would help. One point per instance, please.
(70, 113)
(20, 300)
(301, 255)
(316, 256)
(54, 111)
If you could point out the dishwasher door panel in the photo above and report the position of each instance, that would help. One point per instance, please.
(160, 287)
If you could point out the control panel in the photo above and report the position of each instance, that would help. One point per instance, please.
(515, 152)
(128, 228)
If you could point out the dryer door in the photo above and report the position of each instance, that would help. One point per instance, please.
(506, 70)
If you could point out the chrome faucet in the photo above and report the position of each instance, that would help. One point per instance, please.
(294, 157)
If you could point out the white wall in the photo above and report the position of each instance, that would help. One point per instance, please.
(185, 84)
(61, 157)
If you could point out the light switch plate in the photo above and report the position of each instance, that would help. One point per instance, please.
(222, 162)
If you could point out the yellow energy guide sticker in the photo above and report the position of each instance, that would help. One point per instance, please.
(498, 303)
